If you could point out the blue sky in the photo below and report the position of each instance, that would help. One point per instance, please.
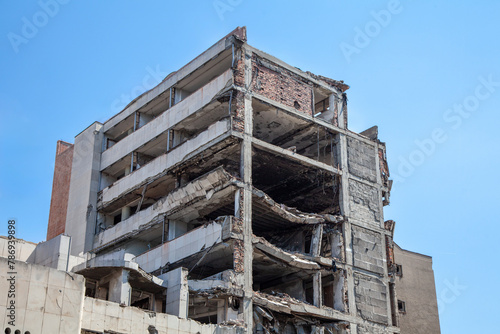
(427, 73)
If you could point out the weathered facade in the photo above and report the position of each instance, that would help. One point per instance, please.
(234, 195)
(416, 293)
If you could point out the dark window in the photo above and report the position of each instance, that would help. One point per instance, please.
(401, 306)
(399, 270)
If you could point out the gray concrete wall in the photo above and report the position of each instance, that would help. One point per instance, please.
(82, 201)
(188, 244)
(52, 301)
(25, 250)
(371, 298)
(53, 253)
(361, 159)
(417, 289)
(364, 203)
(368, 249)
(367, 329)
(177, 292)
(99, 315)
(47, 300)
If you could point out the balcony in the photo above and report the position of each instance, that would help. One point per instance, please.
(160, 125)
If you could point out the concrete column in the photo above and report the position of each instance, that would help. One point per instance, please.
(318, 330)
(221, 311)
(225, 312)
(317, 290)
(177, 292)
(182, 180)
(341, 112)
(316, 240)
(346, 226)
(125, 212)
(246, 173)
(119, 287)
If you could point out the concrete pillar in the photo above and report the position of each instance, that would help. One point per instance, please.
(346, 226)
(317, 330)
(182, 180)
(317, 290)
(177, 292)
(119, 287)
(336, 245)
(221, 311)
(125, 212)
(316, 240)
(225, 312)
(246, 173)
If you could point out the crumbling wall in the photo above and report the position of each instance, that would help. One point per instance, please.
(99, 316)
(371, 298)
(238, 112)
(367, 249)
(281, 85)
(364, 203)
(239, 68)
(367, 329)
(361, 159)
(238, 255)
(384, 167)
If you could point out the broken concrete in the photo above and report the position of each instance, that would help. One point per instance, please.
(230, 198)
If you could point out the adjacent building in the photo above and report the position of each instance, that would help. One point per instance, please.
(231, 197)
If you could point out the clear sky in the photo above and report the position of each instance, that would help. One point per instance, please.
(426, 72)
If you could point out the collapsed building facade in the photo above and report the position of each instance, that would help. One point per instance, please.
(231, 196)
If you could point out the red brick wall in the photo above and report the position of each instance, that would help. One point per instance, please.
(238, 112)
(60, 189)
(281, 85)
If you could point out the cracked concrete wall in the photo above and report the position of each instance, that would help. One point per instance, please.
(100, 315)
(371, 298)
(47, 300)
(177, 292)
(158, 166)
(188, 244)
(361, 159)
(368, 249)
(364, 203)
(197, 190)
(367, 329)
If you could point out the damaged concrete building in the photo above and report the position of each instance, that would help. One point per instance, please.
(230, 198)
